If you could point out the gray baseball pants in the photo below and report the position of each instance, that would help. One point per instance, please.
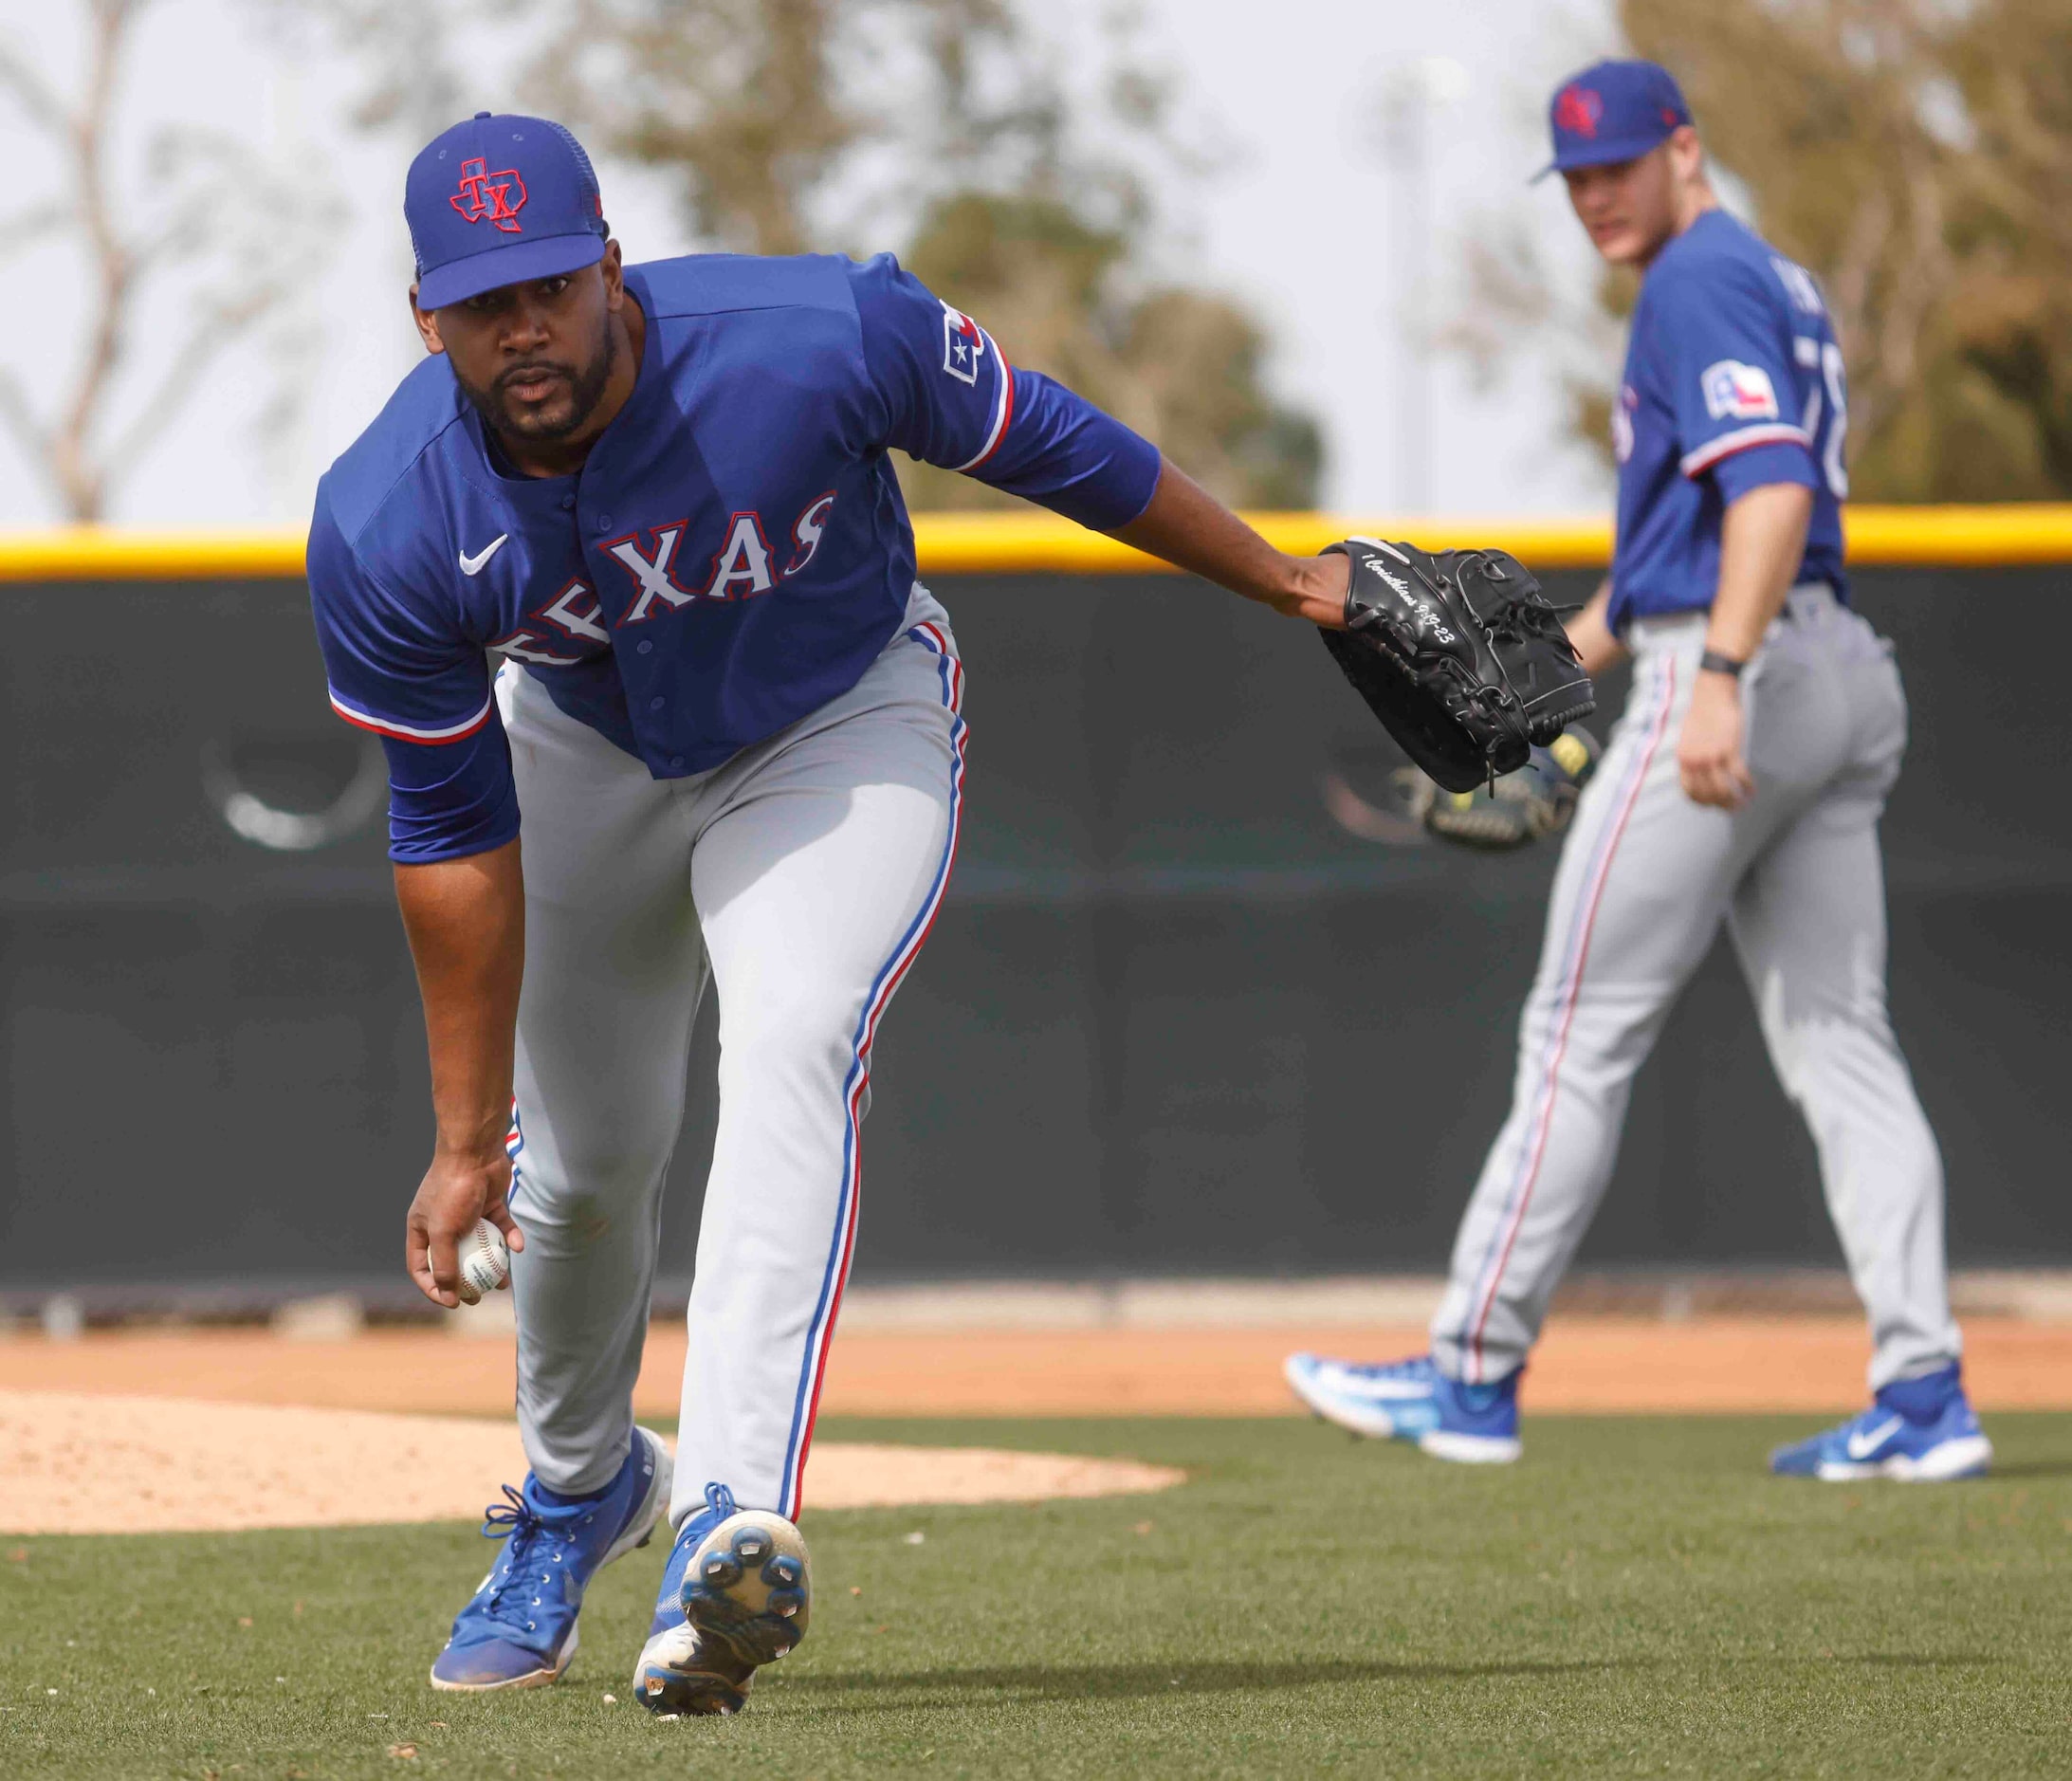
(799, 878)
(1646, 877)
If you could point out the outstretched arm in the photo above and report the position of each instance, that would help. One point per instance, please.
(465, 919)
(945, 392)
(1189, 528)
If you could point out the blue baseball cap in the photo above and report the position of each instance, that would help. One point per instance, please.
(1613, 111)
(498, 200)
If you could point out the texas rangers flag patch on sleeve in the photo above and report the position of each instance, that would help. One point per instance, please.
(964, 345)
(1738, 391)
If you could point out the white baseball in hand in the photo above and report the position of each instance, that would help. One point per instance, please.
(486, 1263)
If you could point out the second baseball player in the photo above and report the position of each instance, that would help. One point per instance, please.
(1742, 788)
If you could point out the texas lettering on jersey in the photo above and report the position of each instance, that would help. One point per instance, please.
(574, 627)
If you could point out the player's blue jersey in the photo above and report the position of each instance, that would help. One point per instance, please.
(733, 554)
(1732, 380)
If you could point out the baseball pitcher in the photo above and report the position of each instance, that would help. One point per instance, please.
(626, 554)
(1743, 784)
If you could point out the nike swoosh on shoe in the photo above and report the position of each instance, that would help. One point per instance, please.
(1863, 1444)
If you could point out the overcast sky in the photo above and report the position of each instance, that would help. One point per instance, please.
(1303, 216)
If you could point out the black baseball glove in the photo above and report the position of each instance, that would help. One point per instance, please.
(1519, 807)
(1460, 655)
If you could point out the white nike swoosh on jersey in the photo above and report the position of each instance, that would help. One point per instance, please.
(1864, 1445)
(472, 565)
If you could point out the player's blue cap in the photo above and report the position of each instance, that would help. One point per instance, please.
(1613, 111)
(498, 200)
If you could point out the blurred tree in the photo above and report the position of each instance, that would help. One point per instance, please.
(410, 55)
(738, 98)
(1916, 157)
(207, 230)
(1513, 317)
(758, 106)
(776, 116)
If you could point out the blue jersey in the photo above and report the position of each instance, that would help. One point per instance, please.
(733, 554)
(1732, 380)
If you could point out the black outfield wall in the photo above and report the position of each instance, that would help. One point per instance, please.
(1175, 1015)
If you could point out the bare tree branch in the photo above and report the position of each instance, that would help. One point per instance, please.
(21, 419)
(25, 229)
(209, 204)
(202, 347)
(45, 109)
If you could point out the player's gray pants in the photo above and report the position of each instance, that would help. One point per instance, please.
(801, 877)
(1646, 877)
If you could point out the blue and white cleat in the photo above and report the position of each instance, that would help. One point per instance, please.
(736, 1595)
(1920, 1431)
(520, 1629)
(1413, 1401)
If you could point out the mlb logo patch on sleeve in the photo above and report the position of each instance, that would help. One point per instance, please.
(1738, 391)
(964, 345)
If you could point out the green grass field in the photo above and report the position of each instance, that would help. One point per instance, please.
(1636, 1598)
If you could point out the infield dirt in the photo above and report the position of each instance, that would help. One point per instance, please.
(1605, 1365)
(152, 1430)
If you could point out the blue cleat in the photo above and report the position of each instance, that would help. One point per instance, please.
(1921, 1430)
(735, 1596)
(1413, 1401)
(518, 1631)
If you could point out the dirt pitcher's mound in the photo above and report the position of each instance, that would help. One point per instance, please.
(71, 1463)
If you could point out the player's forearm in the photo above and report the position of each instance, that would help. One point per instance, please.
(1188, 527)
(465, 919)
(1762, 542)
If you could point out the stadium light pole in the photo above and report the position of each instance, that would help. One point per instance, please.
(1411, 96)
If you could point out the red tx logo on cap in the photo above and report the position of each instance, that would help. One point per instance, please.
(1577, 111)
(487, 195)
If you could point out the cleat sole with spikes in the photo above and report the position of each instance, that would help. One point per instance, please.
(747, 1600)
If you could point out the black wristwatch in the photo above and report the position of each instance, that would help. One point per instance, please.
(1711, 662)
